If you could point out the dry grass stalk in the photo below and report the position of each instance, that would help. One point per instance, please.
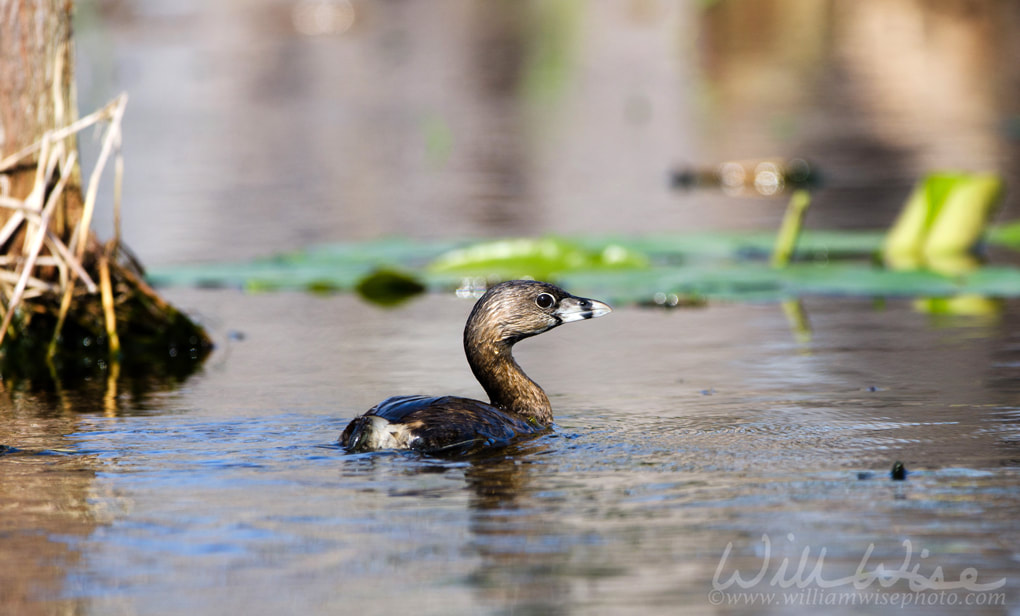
(106, 289)
(54, 165)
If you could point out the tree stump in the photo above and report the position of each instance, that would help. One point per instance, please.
(67, 300)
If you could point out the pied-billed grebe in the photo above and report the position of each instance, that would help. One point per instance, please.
(507, 313)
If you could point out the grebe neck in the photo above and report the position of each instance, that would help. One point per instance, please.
(508, 387)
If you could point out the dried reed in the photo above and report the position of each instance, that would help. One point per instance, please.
(54, 164)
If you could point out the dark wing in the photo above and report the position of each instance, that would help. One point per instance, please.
(397, 408)
(449, 425)
(460, 426)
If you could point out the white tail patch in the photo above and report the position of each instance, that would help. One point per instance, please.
(381, 434)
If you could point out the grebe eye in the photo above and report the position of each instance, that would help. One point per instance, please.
(545, 300)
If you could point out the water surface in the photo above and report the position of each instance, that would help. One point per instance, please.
(678, 433)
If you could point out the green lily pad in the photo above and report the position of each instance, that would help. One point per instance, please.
(716, 266)
(336, 267)
(759, 282)
(535, 258)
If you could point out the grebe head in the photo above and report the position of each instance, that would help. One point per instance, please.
(514, 310)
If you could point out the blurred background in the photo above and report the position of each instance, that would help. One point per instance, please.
(262, 126)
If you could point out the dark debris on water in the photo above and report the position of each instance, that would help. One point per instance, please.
(898, 472)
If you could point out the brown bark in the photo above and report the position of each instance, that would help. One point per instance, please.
(37, 95)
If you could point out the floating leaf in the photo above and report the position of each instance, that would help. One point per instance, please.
(542, 258)
(758, 282)
(337, 267)
(388, 287)
(692, 267)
